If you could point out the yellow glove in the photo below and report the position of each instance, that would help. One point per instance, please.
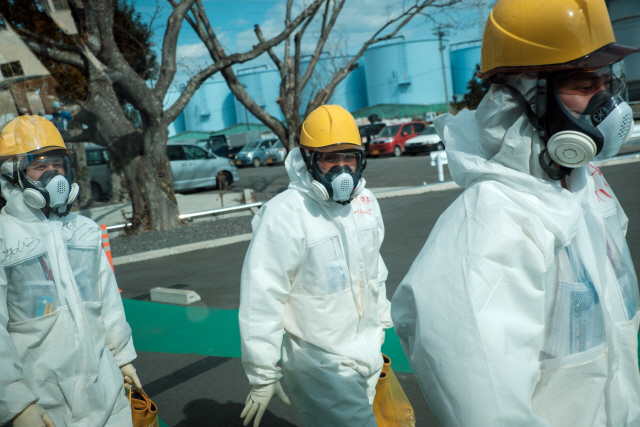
(130, 376)
(33, 416)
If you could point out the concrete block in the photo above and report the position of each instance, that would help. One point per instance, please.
(174, 296)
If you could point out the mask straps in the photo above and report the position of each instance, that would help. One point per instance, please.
(544, 159)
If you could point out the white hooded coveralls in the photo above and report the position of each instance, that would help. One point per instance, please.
(521, 309)
(63, 333)
(313, 272)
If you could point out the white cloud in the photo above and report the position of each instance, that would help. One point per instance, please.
(192, 51)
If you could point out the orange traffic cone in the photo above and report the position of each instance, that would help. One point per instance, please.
(107, 246)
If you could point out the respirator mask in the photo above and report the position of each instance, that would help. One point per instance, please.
(45, 180)
(337, 175)
(586, 117)
(580, 115)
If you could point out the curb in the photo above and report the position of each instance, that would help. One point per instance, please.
(629, 158)
(175, 250)
(412, 191)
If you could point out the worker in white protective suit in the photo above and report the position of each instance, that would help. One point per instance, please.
(65, 346)
(522, 307)
(313, 272)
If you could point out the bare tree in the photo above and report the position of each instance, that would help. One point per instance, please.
(139, 149)
(293, 79)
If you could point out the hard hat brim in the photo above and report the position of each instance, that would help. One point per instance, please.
(606, 55)
(335, 147)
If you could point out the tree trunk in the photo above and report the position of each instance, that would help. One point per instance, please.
(119, 187)
(85, 199)
(151, 187)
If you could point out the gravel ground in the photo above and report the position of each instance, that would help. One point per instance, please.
(189, 233)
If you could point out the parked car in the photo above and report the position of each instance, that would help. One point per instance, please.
(392, 138)
(225, 151)
(369, 132)
(195, 167)
(427, 141)
(276, 154)
(99, 171)
(254, 153)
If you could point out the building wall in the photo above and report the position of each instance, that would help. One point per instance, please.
(12, 49)
(464, 58)
(211, 108)
(407, 72)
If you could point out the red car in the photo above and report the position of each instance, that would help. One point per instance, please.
(392, 138)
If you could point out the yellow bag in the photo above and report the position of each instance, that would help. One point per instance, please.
(143, 411)
(391, 405)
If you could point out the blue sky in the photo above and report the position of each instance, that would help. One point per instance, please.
(234, 23)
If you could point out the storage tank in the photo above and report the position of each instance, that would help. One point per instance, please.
(464, 58)
(407, 72)
(351, 93)
(263, 85)
(625, 18)
(211, 107)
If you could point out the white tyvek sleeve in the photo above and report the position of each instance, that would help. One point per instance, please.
(119, 340)
(271, 262)
(15, 394)
(384, 305)
(470, 312)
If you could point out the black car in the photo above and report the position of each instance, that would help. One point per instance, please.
(368, 132)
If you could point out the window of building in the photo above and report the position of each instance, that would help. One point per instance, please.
(59, 5)
(11, 69)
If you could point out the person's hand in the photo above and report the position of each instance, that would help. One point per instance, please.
(384, 335)
(258, 400)
(33, 416)
(130, 376)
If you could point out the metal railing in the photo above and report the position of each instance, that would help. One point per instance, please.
(191, 216)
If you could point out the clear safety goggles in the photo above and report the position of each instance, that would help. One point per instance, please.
(582, 93)
(326, 161)
(36, 166)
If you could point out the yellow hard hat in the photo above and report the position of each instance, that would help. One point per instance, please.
(29, 135)
(529, 35)
(330, 128)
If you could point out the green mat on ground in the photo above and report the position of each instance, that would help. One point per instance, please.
(207, 331)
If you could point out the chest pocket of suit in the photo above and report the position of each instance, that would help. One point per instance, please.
(620, 260)
(577, 319)
(324, 269)
(85, 264)
(368, 241)
(32, 291)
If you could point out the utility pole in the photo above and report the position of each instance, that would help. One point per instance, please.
(441, 33)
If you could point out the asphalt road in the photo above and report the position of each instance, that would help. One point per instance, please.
(193, 390)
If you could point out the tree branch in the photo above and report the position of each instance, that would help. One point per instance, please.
(169, 48)
(324, 35)
(272, 55)
(55, 54)
(52, 43)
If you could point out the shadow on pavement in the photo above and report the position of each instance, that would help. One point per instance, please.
(183, 375)
(207, 413)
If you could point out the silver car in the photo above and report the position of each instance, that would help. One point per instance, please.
(276, 154)
(195, 167)
(254, 153)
